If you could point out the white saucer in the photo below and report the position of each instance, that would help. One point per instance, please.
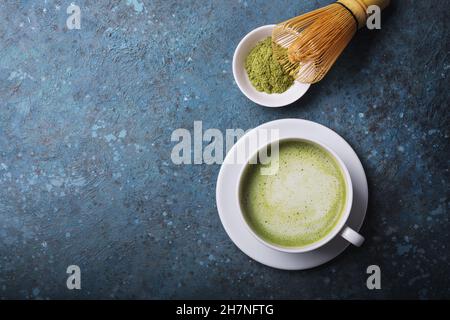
(229, 208)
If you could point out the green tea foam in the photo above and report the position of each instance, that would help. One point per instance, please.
(301, 203)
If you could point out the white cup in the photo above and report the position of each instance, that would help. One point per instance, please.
(340, 229)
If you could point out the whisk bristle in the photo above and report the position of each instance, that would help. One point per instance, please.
(307, 46)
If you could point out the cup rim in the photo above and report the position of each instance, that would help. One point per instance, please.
(344, 216)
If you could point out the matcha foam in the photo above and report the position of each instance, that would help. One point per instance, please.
(301, 203)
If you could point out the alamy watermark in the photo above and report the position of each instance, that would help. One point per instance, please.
(74, 19)
(373, 17)
(373, 282)
(211, 146)
(74, 279)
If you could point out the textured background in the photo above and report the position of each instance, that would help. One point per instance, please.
(85, 171)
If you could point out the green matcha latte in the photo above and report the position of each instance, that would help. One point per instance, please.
(301, 203)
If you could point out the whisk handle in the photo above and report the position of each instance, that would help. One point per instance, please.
(380, 3)
(359, 8)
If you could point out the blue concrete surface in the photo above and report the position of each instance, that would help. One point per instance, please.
(86, 176)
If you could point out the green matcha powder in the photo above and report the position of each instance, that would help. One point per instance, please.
(264, 72)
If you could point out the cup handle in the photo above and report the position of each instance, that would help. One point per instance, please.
(352, 236)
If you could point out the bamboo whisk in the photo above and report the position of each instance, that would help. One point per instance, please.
(308, 45)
